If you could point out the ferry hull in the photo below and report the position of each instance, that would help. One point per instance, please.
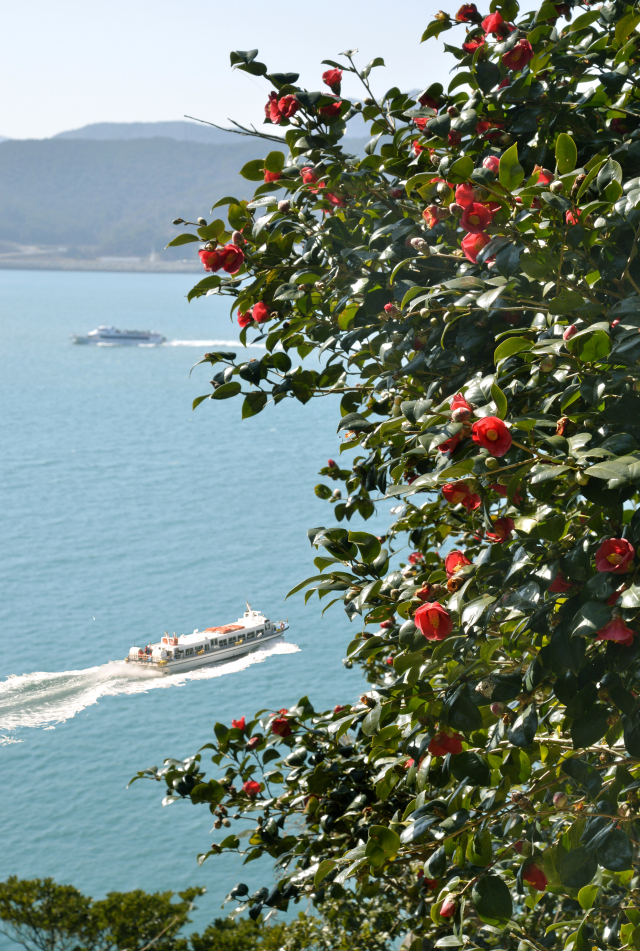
(184, 664)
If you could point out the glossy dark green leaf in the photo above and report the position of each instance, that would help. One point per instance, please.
(492, 899)
(577, 868)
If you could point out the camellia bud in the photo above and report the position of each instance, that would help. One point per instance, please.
(505, 139)
(284, 206)
(448, 907)
(556, 187)
(369, 102)
(582, 478)
(357, 106)
(547, 364)
(569, 332)
(419, 244)
(497, 709)
(560, 800)
(237, 238)
(491, 463)
(337, 494)
(459, 415)
(453, 111)
(456, 210)
(178, 221)
(202, 221)
(443, 190)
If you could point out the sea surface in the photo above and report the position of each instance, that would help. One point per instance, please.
(126, 514)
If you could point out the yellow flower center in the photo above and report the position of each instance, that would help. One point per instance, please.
(434, 618)
(492, 435)
(474, 219)
(614, 559)
(458, 497)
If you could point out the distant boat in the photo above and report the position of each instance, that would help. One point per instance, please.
(112, 337)
(175, 654)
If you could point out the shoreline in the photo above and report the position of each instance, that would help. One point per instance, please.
(55, 263)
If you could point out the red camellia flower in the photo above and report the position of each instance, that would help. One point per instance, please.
(338, 708)
(618, 631)
(492, 434)
(535, 876)
(276, 110)
(428, 101)
(465, 195)
(335, 200)
(430, 215)
(308, 175)
(232, 258)
(415, 557)
(332, 78)
(330, 463)
(454, 137)
(450, 444)
(545, 177)
(238, 724)
(433, 621)
(244, 319)
(560, 584)
(416, 148)
(448, 907)
(521, 54)
(272, 176)
(260, 312)
(468, 13)
(252, 788)
(461, 409)
(444, 743)
(618, 125)
(615, 555)
(573, 217)
(459, 493)
(408, 763)
(331, 110)
(281, 727)
(491, 24)
(485, 125)
(472, 245)
(569, 332)
(502, 490)
(254, 741)
(503, 529)
(475, 218)
(492, 162)
(210, 260)
(472, 45)
(421, 122)
(454, 561)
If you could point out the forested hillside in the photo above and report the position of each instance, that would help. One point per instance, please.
(112, 197)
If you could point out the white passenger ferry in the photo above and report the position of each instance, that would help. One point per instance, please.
(111, 336)
(214, 644)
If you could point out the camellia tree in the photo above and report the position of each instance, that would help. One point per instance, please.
(472, 287)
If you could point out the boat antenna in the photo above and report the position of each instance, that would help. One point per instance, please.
(246, 602)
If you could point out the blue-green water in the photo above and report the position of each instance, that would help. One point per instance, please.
(126, 514)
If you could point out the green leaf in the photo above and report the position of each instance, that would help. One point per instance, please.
(590, 728)
(200, 399)
(616, 853)
(492, 900)
(274, 162)
(368, 546)
(500, 400)
(511, 173)
(473, 767)
(566, 154)
(577, 868)
(183, 239)
(435, 28)
(253, 171)
(371, 722)
(211, 231)
(385, 839)
(590, 348)
(509, 347)
(224, 392)
(461, 170)
(253, 404)
(587, 896)
(326, 866)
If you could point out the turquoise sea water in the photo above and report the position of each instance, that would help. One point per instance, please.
(126, 514)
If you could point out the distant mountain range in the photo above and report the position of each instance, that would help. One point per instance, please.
(112, 189)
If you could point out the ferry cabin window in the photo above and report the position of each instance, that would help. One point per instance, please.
(223, 644)
(189, 650)
(250, 637)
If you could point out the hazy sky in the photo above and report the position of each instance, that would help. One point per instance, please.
(73, 62)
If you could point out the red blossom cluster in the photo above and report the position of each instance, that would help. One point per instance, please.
(278, 109)
(230, 258)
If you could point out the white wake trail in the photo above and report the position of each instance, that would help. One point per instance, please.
(212, 343)
(43, 699)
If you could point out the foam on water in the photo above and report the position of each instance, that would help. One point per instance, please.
(33, 700)
(212, 343)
